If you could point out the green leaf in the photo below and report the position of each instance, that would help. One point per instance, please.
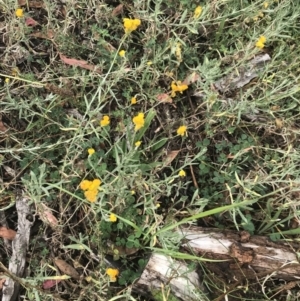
(184, 256)
(183, 16)
(158, 144)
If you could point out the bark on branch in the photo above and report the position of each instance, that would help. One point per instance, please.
(242, 257)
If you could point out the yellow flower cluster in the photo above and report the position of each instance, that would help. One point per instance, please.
(133, 100)
(122, 53)
(182, 130)
(197, 12)
(19, 12)
(112, 217)
(131, 24)
(91, 151)
(90, 189)
(105, 121)
(261, 42)
(139, 121)
(138, 143)
(112, 273)
(182, 173)
(178, 87)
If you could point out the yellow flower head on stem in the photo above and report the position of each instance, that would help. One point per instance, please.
(197, 12)
(91, 195)
(182, 130)
(131, 24)
(91, 151)
(122, 53)
(261, 42)
(112, 218)
(139, 121)
(19, 12)
(90, 189)
(138, 143)
(182, 173)
(112, 273)
(85, 184)
(95, 184)
(133, 100)
(105, 120)
(178, 87)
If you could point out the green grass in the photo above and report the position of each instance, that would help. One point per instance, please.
(240, 155)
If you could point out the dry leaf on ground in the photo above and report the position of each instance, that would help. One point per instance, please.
(33, 3)
(66, 268)
(47, 284)
(164, 98)
(118, 10)
(2, 280)
(3, 128)
(7, 233)
(49, 35)
(78, 63)
(47, 216)
(11, 172)
(31, 22)
(171, 156)
(191, 78)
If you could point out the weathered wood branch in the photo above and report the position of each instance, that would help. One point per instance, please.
(242, 257)
(19, 248)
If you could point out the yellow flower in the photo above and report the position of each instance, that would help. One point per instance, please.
(263, 39)
(7, 80)
(122, 53)
(197, 12)
(139, 121)
(105, 120)
(181, 173)
(19, 12)
(138, 143)
(182, 130)
(113, 218)
(157, 205)
(91, 189)
(177, 87)
(133, 100)
(131, 24)
(85, 184)
(261, 42)
(266, 4)
(95, 184)
(112, 273)
(132, 192)
(149, 63)
(91, 195)
(91, 151)
(90, 185)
